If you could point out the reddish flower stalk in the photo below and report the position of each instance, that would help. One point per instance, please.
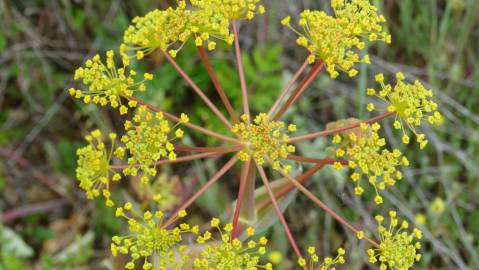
(305, 83)
(34, 208)
(239, 61)
(243, 182)
(177, 160)
(328, 210)
(281, 218)
(218, 149)
(341, 129)
(216, 83)
(287, 88)
(174, 118)
(287, 189)
(197, 89)
(312, 160)
(205, 187)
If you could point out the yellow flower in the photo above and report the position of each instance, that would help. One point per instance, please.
(327, 263)
(398, 249)
(207, 21)
(227, 253)
(184, 118)
(182, 213)
(107, 84)
(337, 40)
(276, 257)
(145, 35)
(264, 139)
(364, 152)
(147, 140)
(231, 9)
(412, 104)
(437, 206)
(93, 171)
(147, 238)
(206, 24)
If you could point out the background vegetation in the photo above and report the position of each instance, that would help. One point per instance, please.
(45, 221)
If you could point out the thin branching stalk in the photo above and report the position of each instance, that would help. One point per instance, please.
(205, 187)
(287, 189)
(177, 160)
(323, 206)
(305, 83)
(174, 118)
(197, 90)
(341, 129)
(278, 212)
(218, 149)
(285, 91)
(239, 61)
(312, 160)
(243, 182)
(216, 83)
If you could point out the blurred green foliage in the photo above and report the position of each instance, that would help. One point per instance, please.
(42, 42)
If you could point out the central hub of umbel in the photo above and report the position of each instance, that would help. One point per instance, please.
(264, 140)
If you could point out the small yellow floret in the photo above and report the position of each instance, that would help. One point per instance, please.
(147, 238)
(412, 104)
(313, 261)
(147, 140)
(264, 140)
(93, 170)
(336, 40)
(106, 83)
(363, 149)
(227, 253)
(397, 248)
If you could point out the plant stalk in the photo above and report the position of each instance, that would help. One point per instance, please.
(174, 118)
(341, 129)
(197, 89)
(305, 83)
(167, 161)
(239, 61)
(328, 210)
(216, 83)
(285, 91)
(205, 187)
(281, 218)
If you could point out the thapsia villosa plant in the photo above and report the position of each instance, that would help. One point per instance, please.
(152, 136)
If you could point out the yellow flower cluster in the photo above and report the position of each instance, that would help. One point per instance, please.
(160, 29)
(336, 40)
(230, 254)
(107, 84)
(93, 169)
(412, 104)
(209, 20)
(398, 249)
(264, 139)
(362, 148)
(232, 9)
(147, 141)
(147, 239)
(327, 264)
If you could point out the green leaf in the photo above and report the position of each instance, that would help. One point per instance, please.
(13, 244)
(10, 262)
(77, 252)
(3, 42)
